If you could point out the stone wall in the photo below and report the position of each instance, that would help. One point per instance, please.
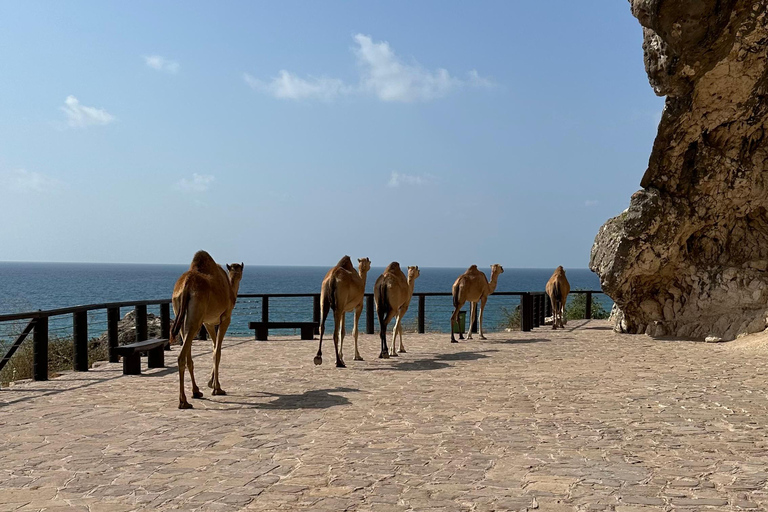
(689, 257)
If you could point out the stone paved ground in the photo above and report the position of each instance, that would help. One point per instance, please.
(582, 419)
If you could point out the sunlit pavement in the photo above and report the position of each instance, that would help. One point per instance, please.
(580, 419)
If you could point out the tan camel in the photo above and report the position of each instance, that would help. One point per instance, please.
(474, 287)
(558, 289)
(392, 293)
(203, 295)
(342, 291)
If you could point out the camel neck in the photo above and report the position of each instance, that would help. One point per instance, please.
(493, 283)
(411, 285)
(235, 287)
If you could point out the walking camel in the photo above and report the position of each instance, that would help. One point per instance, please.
(342, 291)
(558, 289)
(392, 293)
(472, 286)
(203, 295)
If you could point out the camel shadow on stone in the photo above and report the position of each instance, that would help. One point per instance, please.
(311, 399)
(524, 341)
(436, 363)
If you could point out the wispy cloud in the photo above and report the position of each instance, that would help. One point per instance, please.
(198, 183)
(591, 202)
(162, 64)
(396, 179)
(289, 86)
(80, 116)
(22, 180)
(382, 75)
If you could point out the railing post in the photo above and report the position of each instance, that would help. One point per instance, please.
(369, 327)
(474, 319)
(535, 310)
(526, 312)
(80, 340)
(316, 311)
(265, 309)
(113, 318)
(165, 324)
(547, 306)
(141, 323)
(588, 312)
(422, 312)
(40, 349)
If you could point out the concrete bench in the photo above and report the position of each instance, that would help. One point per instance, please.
(307, 328)
(131, 354)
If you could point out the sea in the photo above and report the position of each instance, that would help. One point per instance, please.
(34, 286)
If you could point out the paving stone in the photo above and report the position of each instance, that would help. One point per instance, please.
(578, 419)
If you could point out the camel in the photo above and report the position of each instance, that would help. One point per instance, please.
(474, 287)
(203, 295)
(558, 289)
(392, 293)
(342, 291)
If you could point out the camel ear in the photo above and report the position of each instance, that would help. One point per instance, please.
(242, 265)
(228, 267)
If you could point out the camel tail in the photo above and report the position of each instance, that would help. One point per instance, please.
(382, 300)
(177, 323)
(330, 294)
(455, 296)
(556, 295)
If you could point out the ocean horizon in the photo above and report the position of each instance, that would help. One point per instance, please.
(30, 286)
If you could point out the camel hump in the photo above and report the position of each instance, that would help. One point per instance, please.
(472, 268)
(346, 263)
(203, 262)
(392, 267)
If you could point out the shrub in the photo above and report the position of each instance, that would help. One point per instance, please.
(576, 307)
(510, 319)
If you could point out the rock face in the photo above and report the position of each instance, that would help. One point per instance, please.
(689, 257)
(126, 329)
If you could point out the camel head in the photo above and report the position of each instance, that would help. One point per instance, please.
(560, 270)
(364, 264)
(496, 269)
(413, 273)
(235, 271)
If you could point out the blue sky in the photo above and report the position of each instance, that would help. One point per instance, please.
(434, 133)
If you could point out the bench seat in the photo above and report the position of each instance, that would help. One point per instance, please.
(307, 328)
(131, 354)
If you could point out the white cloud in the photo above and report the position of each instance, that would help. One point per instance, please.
(198, 183)
(382, 75)
(22, 180)
(80, 116)
(290, 86)
(162, 64)
(396, 179)
(591, 202)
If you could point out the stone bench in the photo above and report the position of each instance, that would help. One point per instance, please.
(131, 354)
(307, 328)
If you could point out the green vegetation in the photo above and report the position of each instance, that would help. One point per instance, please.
(510, 318)
(60, 358)
(576, 307)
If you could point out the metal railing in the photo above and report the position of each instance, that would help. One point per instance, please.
(534, 307)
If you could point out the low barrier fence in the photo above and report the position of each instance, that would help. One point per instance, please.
(534, 307)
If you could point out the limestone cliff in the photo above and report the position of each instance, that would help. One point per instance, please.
(689, 257)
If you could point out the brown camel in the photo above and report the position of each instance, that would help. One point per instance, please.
(474, 287)
(342, 291)
(558, 289)
(203, 295)
(392, 293)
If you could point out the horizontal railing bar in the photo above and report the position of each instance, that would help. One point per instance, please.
(106, 305)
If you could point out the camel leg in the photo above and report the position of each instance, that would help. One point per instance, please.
(220, 332)
(455, 319)
(343, 335)
(384, 354)
(212, 333)
(563, 319)
(483, 300)
(196, 393)
(182, 359)
(400, 332)
(325, 309)
(395, 329)
(190, 328)
(358, 312)
(337, 319)
(472, 309)
(554, 312)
